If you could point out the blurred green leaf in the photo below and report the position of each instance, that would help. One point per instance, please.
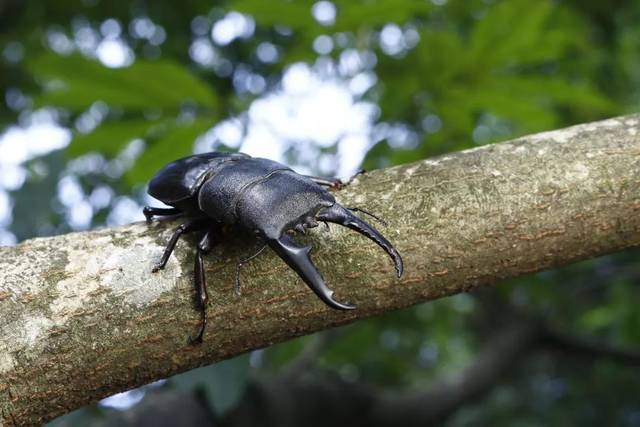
(551, 88)
(223, 382)
(176, 142)
(110, 137)
(352, 15)
(296, 14)
(75, 82)
(283, 353)
(492, 41)
(598, 317)
(510, 72)
(377, 157)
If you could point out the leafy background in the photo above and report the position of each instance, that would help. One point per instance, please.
(99, 95)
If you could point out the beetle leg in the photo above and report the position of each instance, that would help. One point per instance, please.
(335, 183)
(150, 212)
(342, 216)
(297, 257)
(243, 262)
(187, 227)
(354, 176)
(205, 245)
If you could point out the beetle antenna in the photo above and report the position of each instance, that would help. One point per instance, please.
(377, 218)
(243, 262)
(339, 215)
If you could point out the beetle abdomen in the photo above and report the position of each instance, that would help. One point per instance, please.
(181, 179)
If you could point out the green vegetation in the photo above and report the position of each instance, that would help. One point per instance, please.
(437, 76)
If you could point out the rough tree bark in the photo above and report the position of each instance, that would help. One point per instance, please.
(82, 317)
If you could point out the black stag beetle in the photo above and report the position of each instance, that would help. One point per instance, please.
(262, 196)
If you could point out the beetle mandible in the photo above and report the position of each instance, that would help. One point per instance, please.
(260, 195)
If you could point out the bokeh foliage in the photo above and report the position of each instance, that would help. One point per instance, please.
(445, 76)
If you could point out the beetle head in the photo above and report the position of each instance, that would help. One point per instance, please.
(298, 259)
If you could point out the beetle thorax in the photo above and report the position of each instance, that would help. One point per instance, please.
(262, 195)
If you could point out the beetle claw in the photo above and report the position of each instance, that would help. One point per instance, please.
(198, 338)
(149, 212)
(339, 215)
(297, 257)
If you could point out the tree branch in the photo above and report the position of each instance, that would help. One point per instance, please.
(82, 317)
(589, 348)
(437, 403)
(321, 399)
